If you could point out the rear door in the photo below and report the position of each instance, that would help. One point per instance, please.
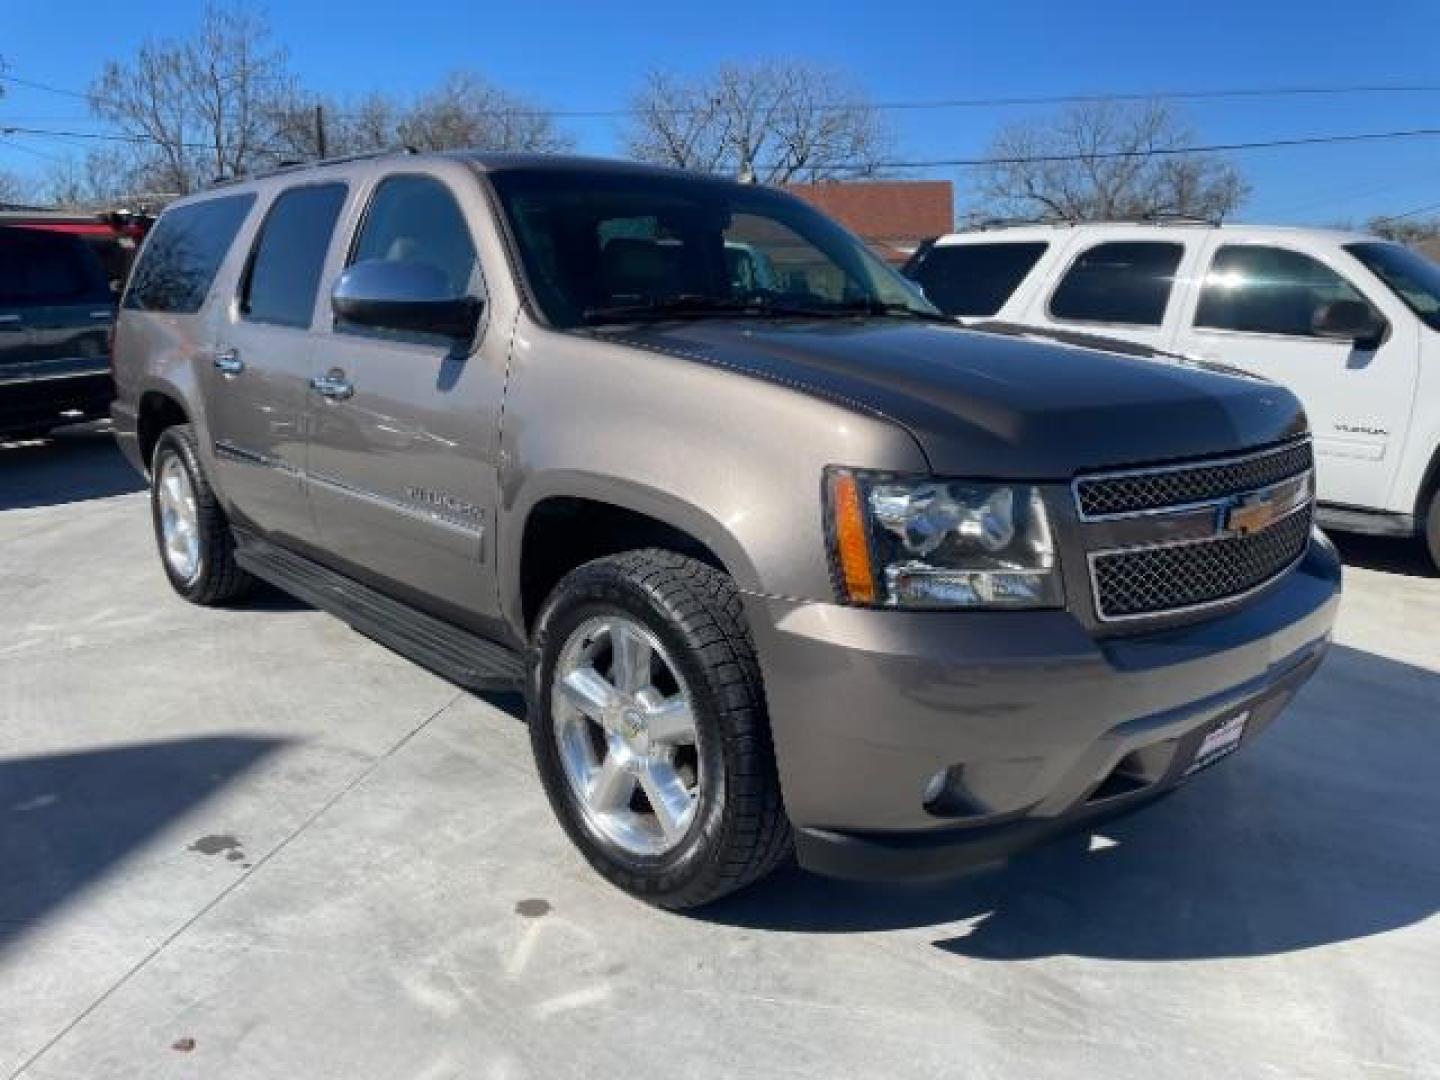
(1253, 308)
(1121, 284)
(259, 374)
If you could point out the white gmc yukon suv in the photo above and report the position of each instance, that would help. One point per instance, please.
(1349, 322)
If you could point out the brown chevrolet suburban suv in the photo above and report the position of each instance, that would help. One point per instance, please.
(785, 561)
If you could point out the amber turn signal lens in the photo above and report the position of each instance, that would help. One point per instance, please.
(852, 547)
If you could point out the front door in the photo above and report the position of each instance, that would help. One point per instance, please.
(258, 372)
(1253, 310)
(406, 425)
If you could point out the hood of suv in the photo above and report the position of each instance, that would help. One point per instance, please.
(987, 404)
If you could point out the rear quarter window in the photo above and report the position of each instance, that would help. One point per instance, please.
(1124, 283)
(974, 280)
(183, 254)
(39, 268)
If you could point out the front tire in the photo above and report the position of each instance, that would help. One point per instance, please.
(648, 725)
(196, 546)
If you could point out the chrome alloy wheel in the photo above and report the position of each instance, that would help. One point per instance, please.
(625, 728)
(179, 519)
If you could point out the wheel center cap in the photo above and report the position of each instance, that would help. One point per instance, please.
(632, 724)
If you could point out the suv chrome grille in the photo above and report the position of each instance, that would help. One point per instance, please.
(1155, 580)
(1182, 485)
(1168, 540)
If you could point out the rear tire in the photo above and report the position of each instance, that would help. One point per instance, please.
(723, 825)
(1432, 528)
(192, 533)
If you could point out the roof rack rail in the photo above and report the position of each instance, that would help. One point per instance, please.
(1159, 217)
(290, 166)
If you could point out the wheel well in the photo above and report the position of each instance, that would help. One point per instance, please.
(157, 412)
(563, 533)
(1428, 487)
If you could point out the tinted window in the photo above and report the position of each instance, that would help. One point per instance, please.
(1124, 282)
(38, 267)
(1265, 290)
(974, 279)
(184, 251)
(598, 246)
(289, 255)
(416, 219)
(1410, 275)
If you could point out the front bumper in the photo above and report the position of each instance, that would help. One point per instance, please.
(45, 394)
(1042, 726)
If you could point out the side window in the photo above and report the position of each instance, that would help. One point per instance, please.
(1125, 282)
(1266, 290)
(289, 254)
(416, 219)
(38, 268)
(974, 279)
(183, 252)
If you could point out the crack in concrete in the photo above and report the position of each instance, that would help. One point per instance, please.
(216, 900)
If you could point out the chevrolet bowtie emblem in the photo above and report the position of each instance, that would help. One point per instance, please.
(1244, 518)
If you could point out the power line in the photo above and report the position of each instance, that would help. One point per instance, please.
(934, 163)
(13, 145)
(1164, 151)
(1181, 94)
(1410, 213)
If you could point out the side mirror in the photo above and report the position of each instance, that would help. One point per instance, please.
(1349, 320)
(385, 295)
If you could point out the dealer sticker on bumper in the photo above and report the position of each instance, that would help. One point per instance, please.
(1224, 740)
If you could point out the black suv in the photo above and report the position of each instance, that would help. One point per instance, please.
(56, 311)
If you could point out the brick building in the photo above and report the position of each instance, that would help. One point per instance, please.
(892, 216)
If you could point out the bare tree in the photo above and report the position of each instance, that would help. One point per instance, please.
(198, 108)
(776, 121)
(1407, 229)
(12, 188)
(467, 112)
(463, 112)
(354, 126)
(1105, 159)
(99, 179)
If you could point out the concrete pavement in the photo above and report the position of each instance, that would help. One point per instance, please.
(251, 843)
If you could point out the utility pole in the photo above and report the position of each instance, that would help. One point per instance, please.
(320, 131)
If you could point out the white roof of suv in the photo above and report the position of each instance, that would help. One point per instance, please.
(1046, 230)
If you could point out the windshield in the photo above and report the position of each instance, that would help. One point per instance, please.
(1410, 276)
(601, 248)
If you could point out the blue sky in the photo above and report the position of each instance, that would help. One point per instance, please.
(590, 55)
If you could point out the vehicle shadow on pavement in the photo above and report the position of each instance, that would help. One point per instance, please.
(1323, 833)
(71, 466)
(1385, 553)
(66, 820)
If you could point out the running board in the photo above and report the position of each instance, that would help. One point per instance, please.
(466, 659)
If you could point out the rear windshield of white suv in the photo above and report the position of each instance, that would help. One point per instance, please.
(1410, 276)
(973, 280)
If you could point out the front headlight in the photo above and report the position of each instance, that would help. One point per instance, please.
(918, 542)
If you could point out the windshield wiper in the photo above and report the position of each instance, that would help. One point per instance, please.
(687, 305)
(695, 305)
(866, 305)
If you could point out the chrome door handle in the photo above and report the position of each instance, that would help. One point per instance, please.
(333, 385)
(228, 362)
